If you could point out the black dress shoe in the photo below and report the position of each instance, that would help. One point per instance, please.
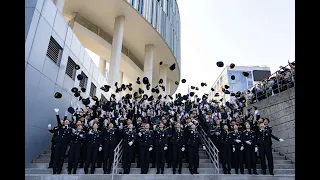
(196, 172)
(271, 173)
(179, 171)
(225, 172)
(255, 172)
(69, 172)
(157, 172)
(173, 172)
(242, 172)
(229, 172)
(161, 172)
(104, 172)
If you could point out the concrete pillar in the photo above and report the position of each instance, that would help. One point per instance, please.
(168, 89)
(163, 76)
(115, 58)
(59, 4)
(120, 81)
(148, 66)
(102, 66)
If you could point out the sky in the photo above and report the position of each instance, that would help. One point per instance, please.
(243, 32)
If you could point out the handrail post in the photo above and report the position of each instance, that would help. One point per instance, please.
(117, 155)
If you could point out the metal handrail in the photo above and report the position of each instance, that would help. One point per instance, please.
(268, 91)
(118, 152)
(211, 149)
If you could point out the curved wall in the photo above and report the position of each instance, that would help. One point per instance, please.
(164, 16)
(43, 77)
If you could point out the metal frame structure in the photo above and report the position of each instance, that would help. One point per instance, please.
(118, 152)
(211, 150)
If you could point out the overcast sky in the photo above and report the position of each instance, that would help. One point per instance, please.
(243, 32)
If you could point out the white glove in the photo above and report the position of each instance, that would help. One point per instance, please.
(150, 149)
(130, 143)
(140, 134)
(281, 140)
(238, 141)
(121, 126)
(154, 127)
(116, 121)
(241, 148)
(182, 149)
(100, 148)
(233, 149)
(56, 110)
(73, 131)
(248, 142)
(204, 148)
(190, 123)
(49, 126)
(256, 149)
(217, 133)
(165, 148)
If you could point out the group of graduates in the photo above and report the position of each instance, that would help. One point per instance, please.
(158, 131)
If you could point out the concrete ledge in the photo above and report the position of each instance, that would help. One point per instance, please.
(280, 109)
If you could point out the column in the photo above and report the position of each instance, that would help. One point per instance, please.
(163, 76)
(120, 81)
(168, 89)
(148, 66)
(102, 66)
(59, 4)
(115, 58)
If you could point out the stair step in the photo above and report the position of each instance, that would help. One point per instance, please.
(153, 171)
(158, 177)
(47, 160)
(184, 165)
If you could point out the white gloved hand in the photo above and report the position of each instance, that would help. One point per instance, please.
(154, 127)
(130, 143)
(217, 133)
(165, 148)
(256, 149)
(116, 121)
(49, 126)
(241, 148)
(182, 149)
(233, 149)
(204, 148)
(140, 134)
(281, 140)
(100, 148)
(248, 142)
(150, 149)
(238, 141)
(73, 131)
(190, 123)
(56, 110)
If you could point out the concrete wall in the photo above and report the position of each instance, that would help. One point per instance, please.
(280, 109)
(43, 77)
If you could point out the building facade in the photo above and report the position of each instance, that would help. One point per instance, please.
(240, 83)
(133, 36)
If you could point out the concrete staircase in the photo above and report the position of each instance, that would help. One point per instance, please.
(38, 170)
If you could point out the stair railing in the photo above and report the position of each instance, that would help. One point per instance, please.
(118, 152)
(211, 150)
